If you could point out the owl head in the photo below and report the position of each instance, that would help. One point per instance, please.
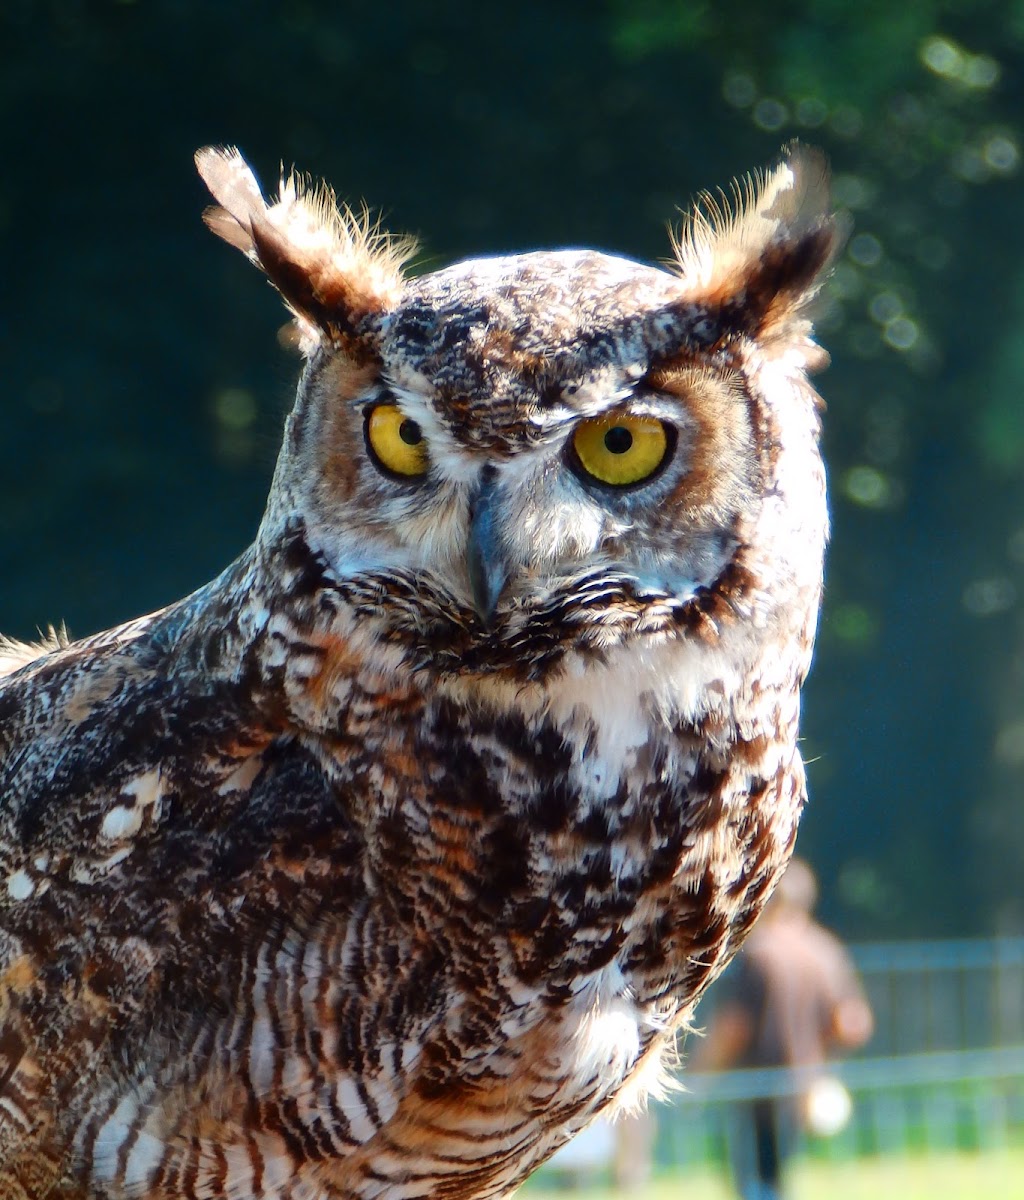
(516, 455)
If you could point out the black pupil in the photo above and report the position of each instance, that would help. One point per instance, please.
(410, 433)
(618, 440)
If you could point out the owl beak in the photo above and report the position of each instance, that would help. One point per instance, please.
(485, 557)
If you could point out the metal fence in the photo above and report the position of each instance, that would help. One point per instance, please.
(955, 995)
(959, 1100)
(944, 1070)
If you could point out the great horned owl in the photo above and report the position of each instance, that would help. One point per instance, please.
(385, 861)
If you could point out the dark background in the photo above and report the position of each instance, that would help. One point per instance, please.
(142, 387)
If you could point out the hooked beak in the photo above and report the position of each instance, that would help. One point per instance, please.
(485, 555)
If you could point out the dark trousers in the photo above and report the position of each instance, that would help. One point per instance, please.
(761, 1139)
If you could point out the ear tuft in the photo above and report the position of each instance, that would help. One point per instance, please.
(758, 255)
(334, 267)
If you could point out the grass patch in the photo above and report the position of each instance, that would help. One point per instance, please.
(992, 1175)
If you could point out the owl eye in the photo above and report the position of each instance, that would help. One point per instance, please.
(621, 450)
(395, 442)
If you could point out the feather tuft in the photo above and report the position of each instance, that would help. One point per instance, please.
(332, 264)
(759, 252)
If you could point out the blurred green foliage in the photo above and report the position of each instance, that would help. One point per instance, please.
(143, 386)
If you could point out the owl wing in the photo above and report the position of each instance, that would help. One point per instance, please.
(175, 859)
(54, 999)
(125, 760)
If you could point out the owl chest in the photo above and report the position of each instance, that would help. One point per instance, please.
(517, 953)
(549, 859)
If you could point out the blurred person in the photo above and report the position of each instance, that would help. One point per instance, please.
(634, 1151)
(792, 999)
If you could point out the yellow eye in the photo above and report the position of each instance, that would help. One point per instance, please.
(620, 449)
(395, 442)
